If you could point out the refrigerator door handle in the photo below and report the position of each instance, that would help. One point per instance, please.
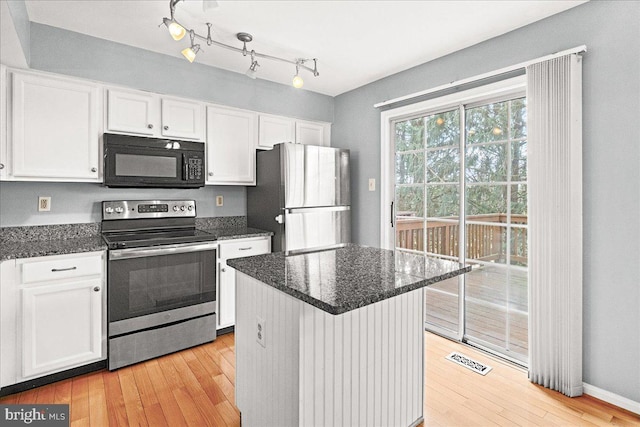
(318, 209)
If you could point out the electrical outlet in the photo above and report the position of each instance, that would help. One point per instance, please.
(261, 331)
(44, 204)
(372, 184)
(219, 201)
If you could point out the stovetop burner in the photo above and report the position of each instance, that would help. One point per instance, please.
(143, 223)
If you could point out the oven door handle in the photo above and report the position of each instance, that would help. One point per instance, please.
(160, 250)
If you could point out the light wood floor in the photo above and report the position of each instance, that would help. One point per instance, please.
(195, 387)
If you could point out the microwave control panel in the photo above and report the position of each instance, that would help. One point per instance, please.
(193, 167)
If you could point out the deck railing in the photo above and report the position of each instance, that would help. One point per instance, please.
(484, 241)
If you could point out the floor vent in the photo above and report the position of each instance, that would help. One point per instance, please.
(469, 363)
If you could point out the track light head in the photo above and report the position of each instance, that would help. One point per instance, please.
(252, 71)
(297, 80)
(190, 52)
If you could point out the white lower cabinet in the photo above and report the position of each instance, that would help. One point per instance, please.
(53, 315)
(61, 326)
(227, 276)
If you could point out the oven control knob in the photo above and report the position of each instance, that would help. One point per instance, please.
(108, 210)
(119, 210)
(190, 208)
(175, 209)
(182, 208)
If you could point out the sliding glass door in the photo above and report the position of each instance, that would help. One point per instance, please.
(460, 194)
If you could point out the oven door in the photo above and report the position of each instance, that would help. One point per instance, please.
(144, 281)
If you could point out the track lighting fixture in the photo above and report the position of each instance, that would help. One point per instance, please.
(178, 31)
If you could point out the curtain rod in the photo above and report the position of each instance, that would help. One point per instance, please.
(578, 49)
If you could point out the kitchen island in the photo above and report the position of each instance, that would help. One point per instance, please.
(333, 337)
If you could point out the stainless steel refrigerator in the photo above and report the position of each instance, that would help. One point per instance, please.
(302, 195)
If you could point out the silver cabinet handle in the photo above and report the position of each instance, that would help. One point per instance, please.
(150, 126)
(96, 289)
(244, 249)
(210, 173)
(223, 270)
(94, 169)
(1, 166)
(166, 127)
(57, 270)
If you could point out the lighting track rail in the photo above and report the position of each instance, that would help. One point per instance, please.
(178, 31)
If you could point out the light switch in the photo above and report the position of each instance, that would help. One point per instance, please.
(372, 184)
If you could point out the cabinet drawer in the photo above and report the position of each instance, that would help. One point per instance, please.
(61, 268)
(244, 248)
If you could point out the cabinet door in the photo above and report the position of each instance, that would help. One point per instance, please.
(310, 133)
(231, 142)
(4, 164)
(226, 296)
(54, 128)
(133, 112)
(227, 275)
(182, 119)
(274, 129)
(61, 326)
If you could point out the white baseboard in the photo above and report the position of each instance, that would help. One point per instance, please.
(614, 399)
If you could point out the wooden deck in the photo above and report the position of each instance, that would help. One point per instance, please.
(487, 300)
(195, 387)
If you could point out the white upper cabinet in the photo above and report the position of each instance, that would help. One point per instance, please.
(231, 144)
(133, 112)
(310, 133)
(54, 129)
(275, 129)
(182, 119)
(149, 114)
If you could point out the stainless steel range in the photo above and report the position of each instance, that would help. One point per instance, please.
(161, 279)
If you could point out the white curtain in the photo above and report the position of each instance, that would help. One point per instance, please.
(554, 108)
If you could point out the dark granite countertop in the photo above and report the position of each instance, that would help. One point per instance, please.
(35, 248)
(348, 278)
(59, 239)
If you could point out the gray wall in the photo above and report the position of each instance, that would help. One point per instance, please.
(80, 202)
(65, 52)
(20, 17)
(611, 99)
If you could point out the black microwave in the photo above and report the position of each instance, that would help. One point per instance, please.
(135, 161)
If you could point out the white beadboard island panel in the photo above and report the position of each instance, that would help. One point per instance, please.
(267, 384)
(360, 368)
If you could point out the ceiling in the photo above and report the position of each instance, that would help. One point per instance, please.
(356, 42)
